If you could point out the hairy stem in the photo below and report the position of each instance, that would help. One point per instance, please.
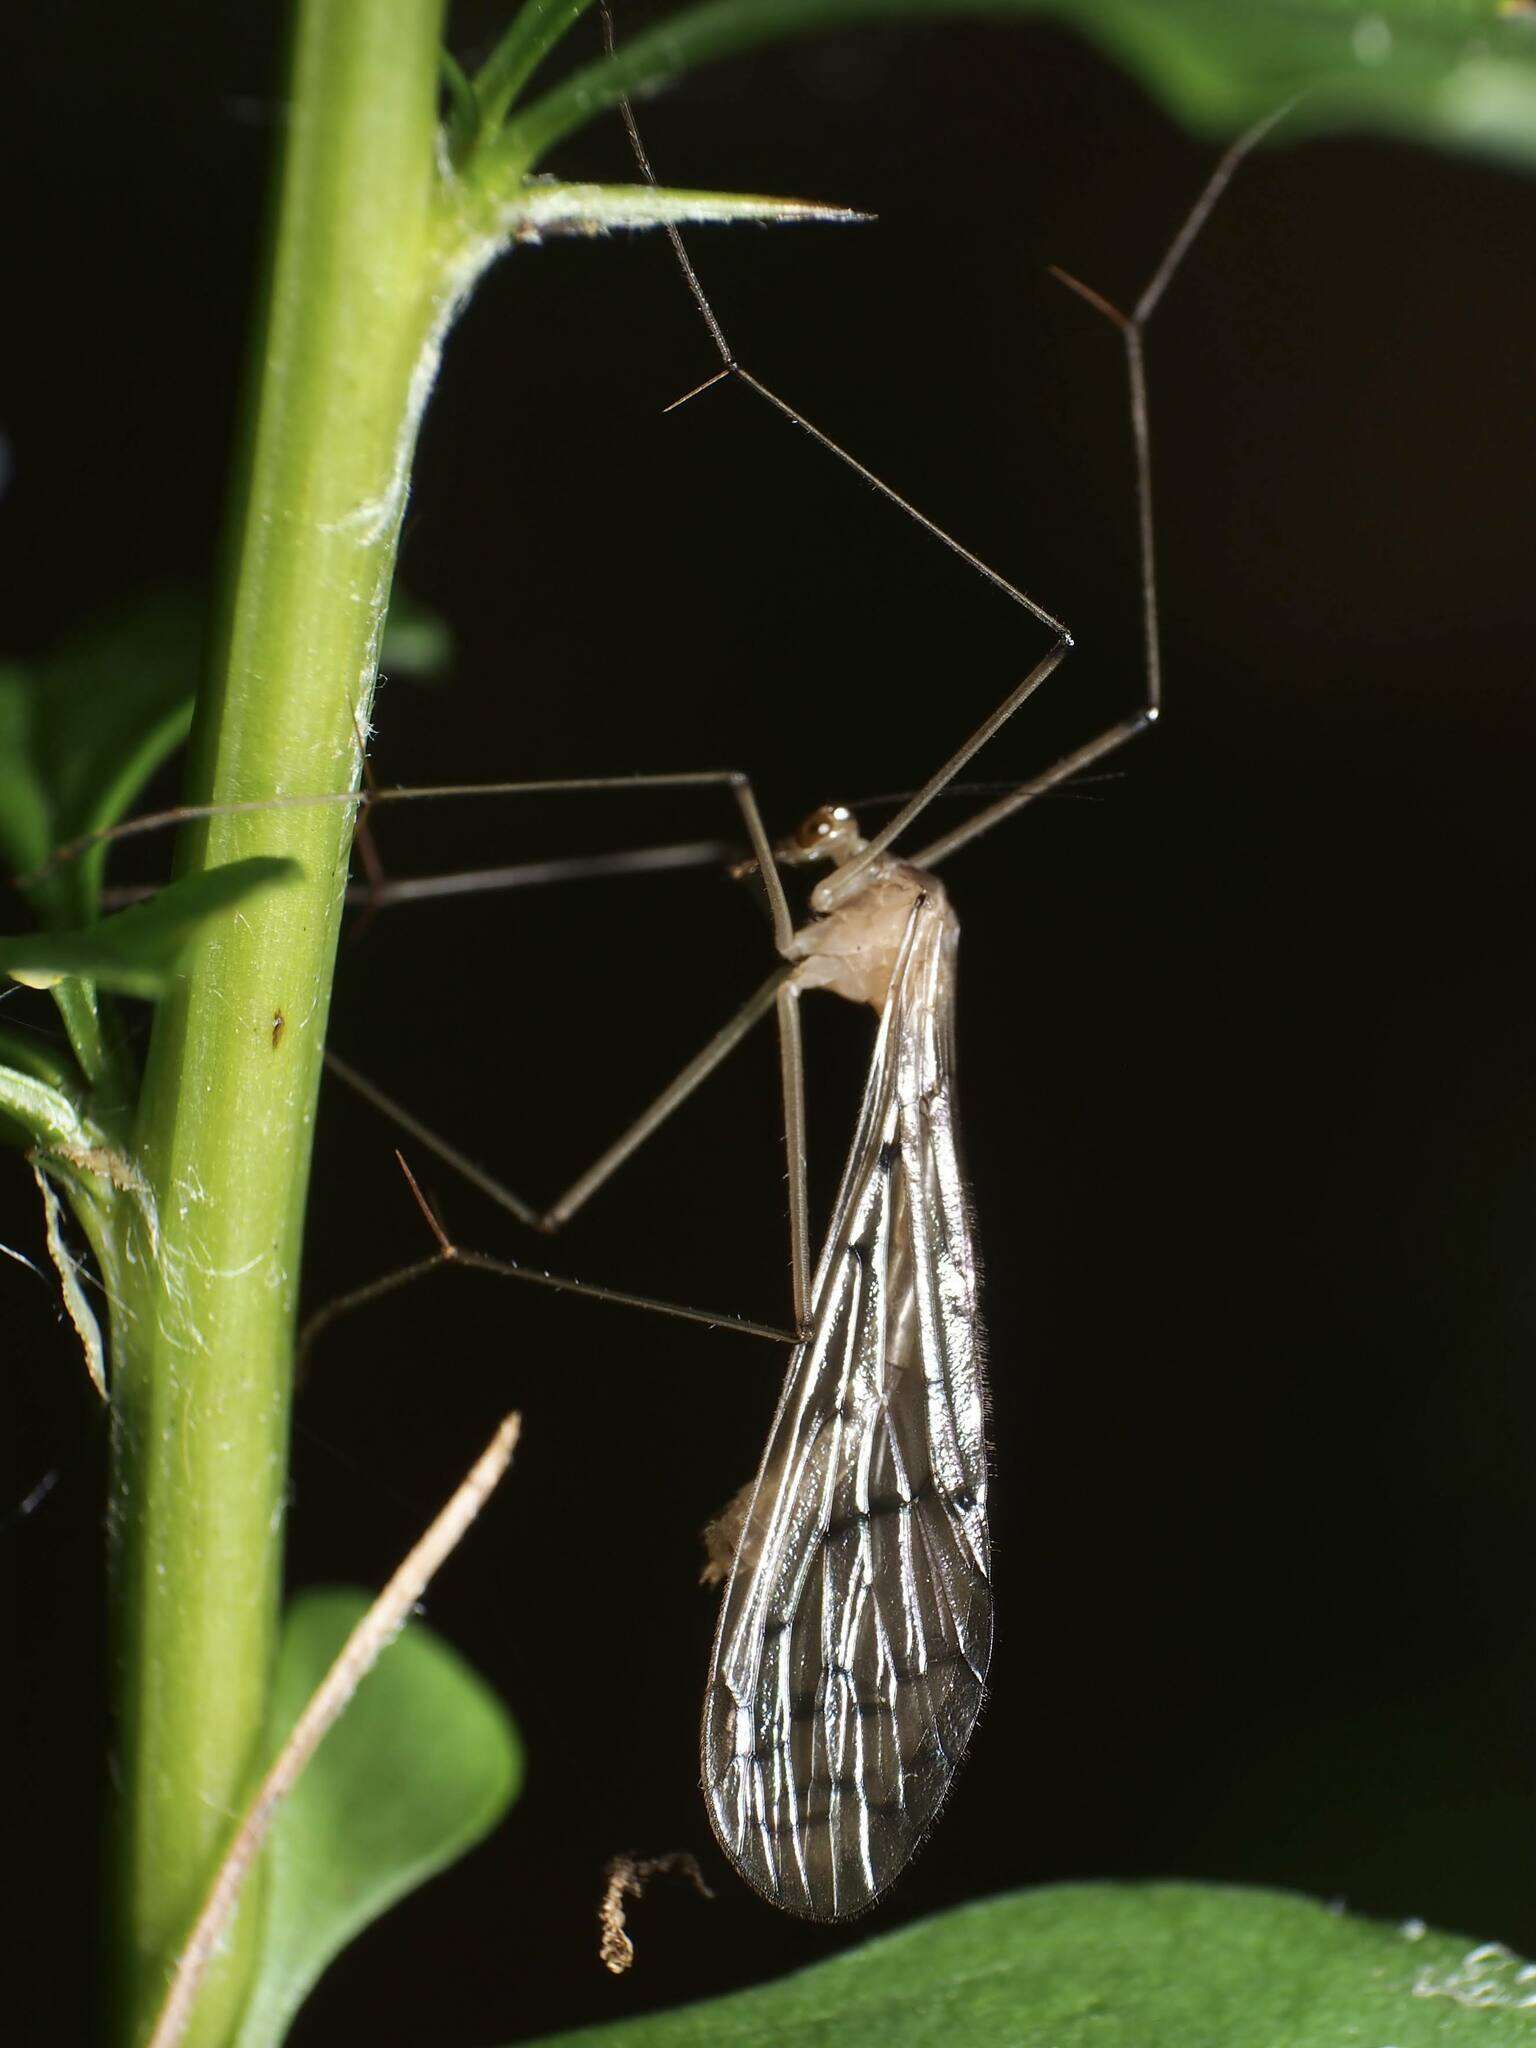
(344, 350)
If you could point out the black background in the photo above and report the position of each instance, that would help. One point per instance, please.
(1248, 1033)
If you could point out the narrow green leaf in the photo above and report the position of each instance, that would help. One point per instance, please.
(545, 206)
(82, 730)
(45, 1109)
(76, 1304)
(423, 1763)
(73, 1153)
(1125, 1966)
(462, 120)
(1457, 72)
(70, 1151)
(536, 28)
(138, 951)
(29, 1052)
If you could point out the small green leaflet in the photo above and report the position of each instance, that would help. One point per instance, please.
(82, 730)
(84, 726)
(423, 1763)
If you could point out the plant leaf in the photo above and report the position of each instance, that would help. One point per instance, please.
(461, 117)
(423, 1763)
(82, 730)
(67, 1266)
(535, 30)
(417, 641)
(1458, 72)
(1124, 1966)
(30, 1053)
(138, 951)
(40, 1108)
(45, 1108)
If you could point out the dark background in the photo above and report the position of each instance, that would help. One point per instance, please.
(1248, 1046)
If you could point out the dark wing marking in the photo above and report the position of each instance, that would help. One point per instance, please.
(856, 1624)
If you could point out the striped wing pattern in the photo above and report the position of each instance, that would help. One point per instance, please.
(856, 1624)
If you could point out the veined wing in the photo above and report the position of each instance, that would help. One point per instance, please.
(856, 1624)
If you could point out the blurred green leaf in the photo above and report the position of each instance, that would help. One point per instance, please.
(422, 1764)
(81, 732)
(30, 1053)
(1457, 72)
(84, 727)
(418, 641)
(1125, 1966)
(138, 951)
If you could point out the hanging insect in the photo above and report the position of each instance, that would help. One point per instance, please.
(855, 1630)
(856, 1626)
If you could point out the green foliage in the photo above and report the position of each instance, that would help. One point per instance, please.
(27, 1054)
(138, 951)
(537, 28)
(1454, 72)
(418, 642)
(1123, 1966)
(81, 732)
(423, 1763)
(83, 728)
(43, 1108)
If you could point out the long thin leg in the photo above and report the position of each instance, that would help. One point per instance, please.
(1132, 327)
(1049, 778)
(697, 1070)
(739, 785)
(792, 1076)
(602, 1169)
(383, 891)
(845, 878)
(777, 992)
(449, 1253)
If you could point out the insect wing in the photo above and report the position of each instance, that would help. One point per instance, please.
(856, 1624)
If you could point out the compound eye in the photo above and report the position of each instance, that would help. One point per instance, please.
(823, 824)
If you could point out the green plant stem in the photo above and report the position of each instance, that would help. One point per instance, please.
(345, 348)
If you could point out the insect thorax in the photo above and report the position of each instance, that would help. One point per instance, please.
(852, 949)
